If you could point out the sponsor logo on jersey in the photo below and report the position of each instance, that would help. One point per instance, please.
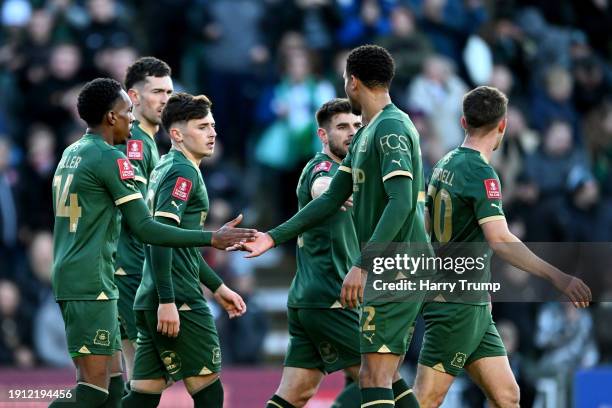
(102, 338)
(134, 150)
(323, 166)
(492, 188)
(393, 142)
(172, 361)
(126, 171)
(369, 338)
(182, 188)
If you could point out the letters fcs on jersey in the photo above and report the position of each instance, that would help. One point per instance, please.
(182, 188)
(126, 171)
(323, 166)
(134, 150)
(493, 190)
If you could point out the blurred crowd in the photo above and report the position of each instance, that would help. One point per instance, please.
(267, 65)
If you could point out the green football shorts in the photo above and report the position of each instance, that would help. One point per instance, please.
(325, 339)
(92, 327)
(127, 285)
(194, 352)
(458, 334)
(387, 327)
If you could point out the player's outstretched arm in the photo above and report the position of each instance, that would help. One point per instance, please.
(318, 210)
(399, 205)
(512, 250)
(151, 232)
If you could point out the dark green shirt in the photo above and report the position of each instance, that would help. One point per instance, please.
(324, 253)
(91, 180)
(176, 191)
(142, 152)
(464, 193)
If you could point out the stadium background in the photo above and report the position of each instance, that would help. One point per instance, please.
(267, 65)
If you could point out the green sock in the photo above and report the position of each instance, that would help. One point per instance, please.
(115, 392)
(210, 396)
(278, 402)
(404, 397)
(140, 400)
(349, 397)
(377, 397)
(83, 396)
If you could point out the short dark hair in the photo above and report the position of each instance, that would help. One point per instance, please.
(372, 65)
(327, 111)
(183, 107)
(144, 67)
(97, 98)
(484, 107)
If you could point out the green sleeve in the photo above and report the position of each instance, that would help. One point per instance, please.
(399, 205)
(394, 147)
(148, 231)
(317, 210)
(209, 277)
(483, 189)
(161, 263)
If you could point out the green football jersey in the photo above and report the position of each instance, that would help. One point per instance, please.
(176, 191)
(387, 147)
(464, 192)
(91, 179)
(324, 253)
(141, 149)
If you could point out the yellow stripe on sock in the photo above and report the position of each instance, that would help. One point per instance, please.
(403, 394)
(369, 404)
(274, 403)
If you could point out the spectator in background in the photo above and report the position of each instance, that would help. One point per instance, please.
(114, 62)
(48, 329)
(408, 45)
(554, 102)
(363, 20)
(35, 198)
(591, 83)
(8, 210)
(598, 135)
(14, 329)
(546, 172)
(564, 334)
(438, 92)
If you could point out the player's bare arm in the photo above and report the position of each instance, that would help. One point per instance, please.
(511, 249)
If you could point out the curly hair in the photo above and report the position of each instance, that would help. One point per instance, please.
(331, 108)
(483, 107)
(183, 107)
(97, 98)
(144, 67)
(372, 65)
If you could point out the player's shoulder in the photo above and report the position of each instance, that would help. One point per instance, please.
(392, 120)
(320, 163)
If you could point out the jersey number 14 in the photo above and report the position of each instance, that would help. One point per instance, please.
(65, 206)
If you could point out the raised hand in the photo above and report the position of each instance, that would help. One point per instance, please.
(347, 204)
(229, 235)
(231, 301)
(262, 243)
(168, 322)
(352, 288)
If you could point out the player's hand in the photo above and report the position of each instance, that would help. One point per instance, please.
(168, 319)
(575, 289)
(229, 235)
(351, 294)
(262, 243)
(347, 204)
(231, 301)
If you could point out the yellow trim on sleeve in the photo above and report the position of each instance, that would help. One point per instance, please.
(369, 404)
(421, 198)
(127, 198)
(141, 179)
(345, 169)
(397, 173)
(167, 215)
(491, 218)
